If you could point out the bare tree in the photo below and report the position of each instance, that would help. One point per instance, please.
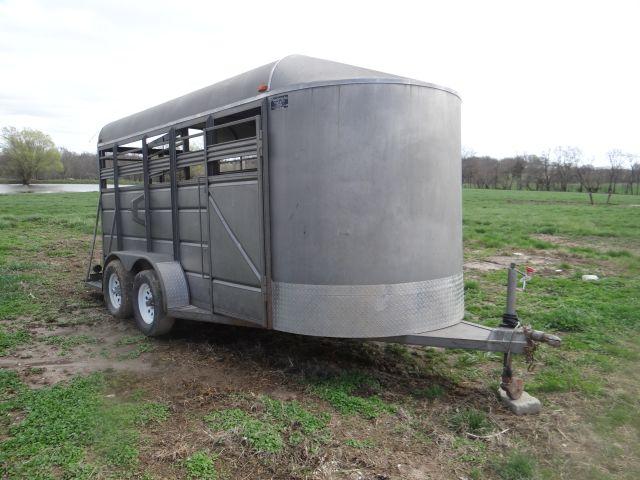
(78, 165)
(589, 179)
(510, 171)
(467, 155)
(545, 171)
(629, 180)
(616, 160)
(504, 175)
(534, 172)
(517, 169)
(634, 173)
(467, 172)
(565, 159)
(484, 171)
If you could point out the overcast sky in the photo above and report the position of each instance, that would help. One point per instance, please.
(532, 76)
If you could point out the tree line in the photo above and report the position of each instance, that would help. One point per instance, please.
(561, 169)
(27, 155)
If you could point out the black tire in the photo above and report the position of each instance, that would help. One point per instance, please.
(158, 323)
(124, 281)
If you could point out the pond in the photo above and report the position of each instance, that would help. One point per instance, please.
(48, 187)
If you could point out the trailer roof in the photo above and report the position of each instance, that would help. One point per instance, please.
(289, 73)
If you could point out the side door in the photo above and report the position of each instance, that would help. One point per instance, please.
(236, 226)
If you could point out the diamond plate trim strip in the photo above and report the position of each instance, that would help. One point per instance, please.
(365, 311)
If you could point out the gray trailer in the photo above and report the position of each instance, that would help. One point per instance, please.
(304, 196)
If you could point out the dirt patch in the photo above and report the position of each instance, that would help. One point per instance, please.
(58, 353)
(501, 262)
(39, 372)
(599, 244)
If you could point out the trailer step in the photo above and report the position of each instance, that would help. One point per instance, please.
(97, 284)
(191, 312)
(467, 335)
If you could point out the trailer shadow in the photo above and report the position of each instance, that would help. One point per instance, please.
(80, 341)
(307, 359)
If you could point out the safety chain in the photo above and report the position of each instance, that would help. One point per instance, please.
(530, 349)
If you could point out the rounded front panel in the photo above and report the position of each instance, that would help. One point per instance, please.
(365, 205)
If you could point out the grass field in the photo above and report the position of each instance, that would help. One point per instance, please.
(83, 395)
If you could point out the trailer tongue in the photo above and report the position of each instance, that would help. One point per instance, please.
(472, 336)
(509, 338)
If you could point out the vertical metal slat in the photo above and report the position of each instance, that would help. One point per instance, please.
(263, 160)
(200, 223)
(102, 184)
(116, 199)
(205, 141)
(147, 194)
(173, 172)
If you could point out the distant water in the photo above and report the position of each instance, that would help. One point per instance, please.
(48, 187)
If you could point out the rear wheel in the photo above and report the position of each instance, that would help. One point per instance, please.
(116, 288)
(148, 305)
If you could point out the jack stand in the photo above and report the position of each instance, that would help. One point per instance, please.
(511, 389)
(513, 386)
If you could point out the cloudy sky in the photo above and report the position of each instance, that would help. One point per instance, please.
(532, 75)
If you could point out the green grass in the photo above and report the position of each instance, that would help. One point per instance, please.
(279, 424)
(131, 340)
(516, 466)
(291, 415)
(507, 219)
(470, 420)
(12, 339)
(431, 392)
(259, 434)
(14, 299)
(343, 393)
(141, 344)
(141, 348)
(72, 429)
(36, 227)
(66, 343)
(359, 444)
(201, 466)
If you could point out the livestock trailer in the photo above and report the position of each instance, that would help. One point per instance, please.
(305, 196)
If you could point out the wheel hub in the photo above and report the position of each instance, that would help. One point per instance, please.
(115, 291)
(146, 304)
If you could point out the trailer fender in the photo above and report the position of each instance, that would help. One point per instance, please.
(173, 281)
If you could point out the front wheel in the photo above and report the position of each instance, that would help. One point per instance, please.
(148, 305)
(116, 289)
